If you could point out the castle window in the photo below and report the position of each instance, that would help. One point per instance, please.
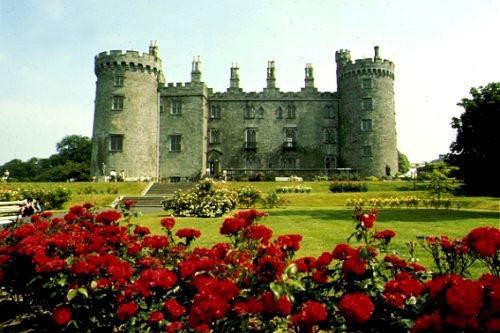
(260, 113)
(329, 111)
(291, 111)
(330, 162)
(115, 142)
(249, 112)
(174, 143)
(366, 125)
(279, 113)
(215, 112)
(118, 81)
(118, 103)
(366, 83)
(214, 136)
(163, 104)
(176, 108)
(367, 104)
(367, 150)
(329, 135)
(250, 138)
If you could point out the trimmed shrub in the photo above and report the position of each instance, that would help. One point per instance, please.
(338, 187)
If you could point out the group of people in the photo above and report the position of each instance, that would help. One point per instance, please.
(32, 206)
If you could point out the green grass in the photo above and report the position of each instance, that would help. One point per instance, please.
(99, 194)
(324, 228)
(320, 216)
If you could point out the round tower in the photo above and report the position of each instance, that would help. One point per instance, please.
(367, 114)
(125, 133)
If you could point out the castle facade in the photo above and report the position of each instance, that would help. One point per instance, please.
(145, 127)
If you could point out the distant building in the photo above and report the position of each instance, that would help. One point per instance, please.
(183, 131)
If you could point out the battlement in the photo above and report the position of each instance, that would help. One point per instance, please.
(367, 66)
(252, 95)
(131, 60)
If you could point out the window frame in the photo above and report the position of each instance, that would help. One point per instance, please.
(175, 146)
(175, 108)
(366, 125)
(367, 104)
(115, 143)
(118, 103)
(118, 81)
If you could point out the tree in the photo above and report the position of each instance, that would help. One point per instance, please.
(75, 148)
(439, 180)
(71, 161)
(403, 163)
(475, 149)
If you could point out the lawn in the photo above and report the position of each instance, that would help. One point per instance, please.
(320, 216)
(323, 228)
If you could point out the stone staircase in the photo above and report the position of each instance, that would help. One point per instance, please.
(157, 192)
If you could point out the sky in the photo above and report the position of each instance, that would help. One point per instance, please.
(440, 48)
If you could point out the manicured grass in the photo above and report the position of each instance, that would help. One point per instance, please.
(324, 228)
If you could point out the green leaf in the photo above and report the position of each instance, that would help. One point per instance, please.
(83, 291)
(72, 294)
(277, 289)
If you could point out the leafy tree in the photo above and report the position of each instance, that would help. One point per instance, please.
(439, 180)
(71, 161)
(475, 149)
(75, 148)
(403, 163)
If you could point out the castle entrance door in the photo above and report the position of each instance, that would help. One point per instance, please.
(214, 167)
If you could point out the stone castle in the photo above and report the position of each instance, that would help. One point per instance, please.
(145, 127)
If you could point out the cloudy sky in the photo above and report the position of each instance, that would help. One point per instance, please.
(441, 49)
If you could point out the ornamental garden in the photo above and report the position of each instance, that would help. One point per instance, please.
(89, 269)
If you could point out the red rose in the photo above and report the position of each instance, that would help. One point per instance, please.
(231, 226)
(284, 306)
(126, 310)
(155, 317)
(141, 231)
(367, 220)
(174, 327)
(62, 315)
(188, 233)
(168, 222)
(356, 308)
(290, 242)
(108, 216)
(174, 308)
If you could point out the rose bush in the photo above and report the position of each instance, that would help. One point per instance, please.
(95, 274)
(207, 199)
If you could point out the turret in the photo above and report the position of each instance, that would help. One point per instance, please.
(234, 81)
(126, 113)
(367, 114)
(196, 70)
(309, 79)
(271, 75)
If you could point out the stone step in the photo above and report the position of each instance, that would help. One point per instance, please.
(168, 188)
(146, 201)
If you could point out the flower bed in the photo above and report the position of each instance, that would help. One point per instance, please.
(94, 274)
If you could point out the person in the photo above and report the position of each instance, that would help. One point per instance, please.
(6, 175)
(28, 208)
(38, 206)
(114, 175)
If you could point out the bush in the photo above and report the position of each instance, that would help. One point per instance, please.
(206, 200)
(337, 187)
(248, 196)
(91, 274)
(52, 199)
(293, 189)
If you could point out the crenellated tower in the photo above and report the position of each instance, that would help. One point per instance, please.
(125, 132)
(367, 114)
